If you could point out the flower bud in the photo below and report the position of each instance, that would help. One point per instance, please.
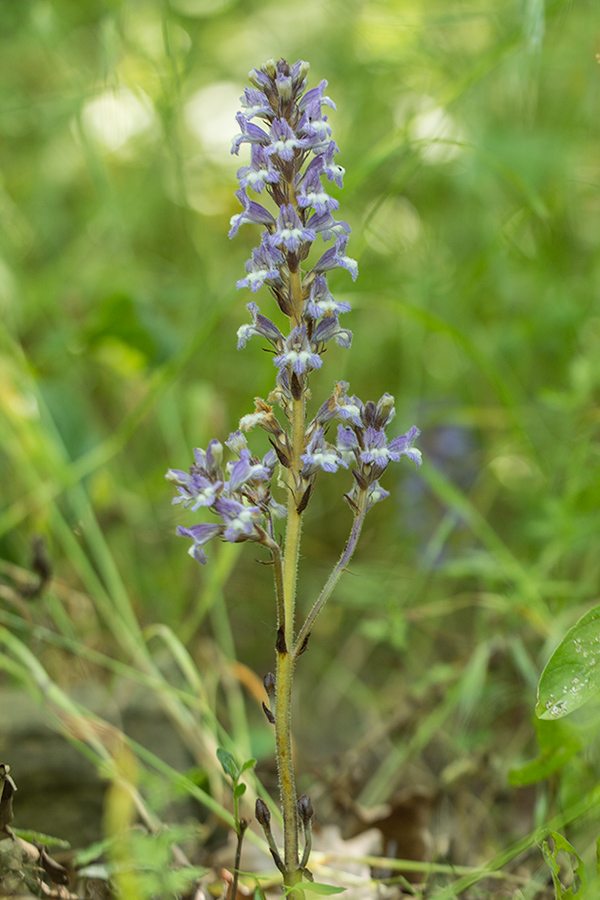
(269, 683)
(305, 810)
(263, 816)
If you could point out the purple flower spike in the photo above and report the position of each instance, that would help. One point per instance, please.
(291, 153)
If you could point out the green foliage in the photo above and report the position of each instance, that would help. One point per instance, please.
(230, 767)
(557, 745)
(556, 865)
(572, 674)
(235, 772)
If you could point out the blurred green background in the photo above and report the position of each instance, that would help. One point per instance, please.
(470, 134)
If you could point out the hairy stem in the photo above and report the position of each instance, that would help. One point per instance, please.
(278, 575)
(285, 661)
(285, 636)
(335, 575)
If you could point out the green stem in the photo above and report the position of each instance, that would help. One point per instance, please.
(335, 575)
(285, 635)
(285, 660)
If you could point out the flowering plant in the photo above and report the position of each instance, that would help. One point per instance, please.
(291, 151)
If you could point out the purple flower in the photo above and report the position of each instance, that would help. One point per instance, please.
(239, 519)
(290, 233)
(328, 328)
(244, 470)
(260, 172)
(264, 266)
(261, 326)
(385, 411)
(346, 408)
(334, 258)
(310, 193)
(314, 127)
(347, 443)
(403, 446)
(283, 141)
(255, 103)
(250, 133)
(320, 455)
(209, 462)
(200, 535)
(316, 94)
(328, 227)
(194, 490)
(333, 172)
(298, 354)
(253, 212)
(321, 302)
(236, 442)
(375, 493)
(376, 452)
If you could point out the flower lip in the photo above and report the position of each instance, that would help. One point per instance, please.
(334, 258)
(320, 455)
(298, 354)
(260, 326)
(252, 212)
(200, 535)
(239, 519)
(290, 232)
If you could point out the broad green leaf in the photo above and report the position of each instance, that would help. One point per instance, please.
(239, 790)
(572, 674)
(228, 763)
(563, 893)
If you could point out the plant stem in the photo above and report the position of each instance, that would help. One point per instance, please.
(285, 637)
(285, 661)
(335, 575)
(241, 827)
